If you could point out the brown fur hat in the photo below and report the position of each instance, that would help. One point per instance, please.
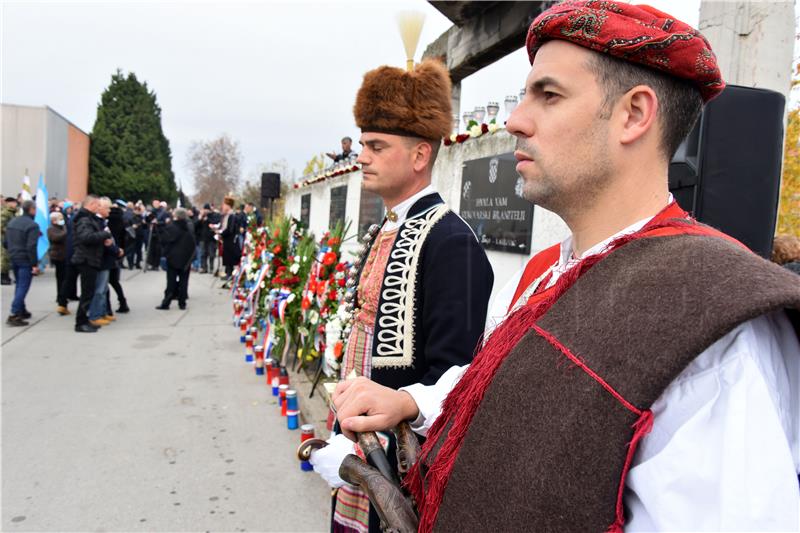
(785, 249)
(229, 200)
(413, 104)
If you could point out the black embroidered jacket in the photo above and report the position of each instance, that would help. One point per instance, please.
(434, 297)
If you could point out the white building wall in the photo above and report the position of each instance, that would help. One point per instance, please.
(319, 217)
(23, 146)
(548, 228)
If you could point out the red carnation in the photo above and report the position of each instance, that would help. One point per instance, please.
(329, 258)
(332, 295)
(447, 141)
(342, 282)
(340, 267)
(484, 128)
(277, 249)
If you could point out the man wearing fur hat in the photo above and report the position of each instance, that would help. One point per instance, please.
(647, 373)
(423, 281)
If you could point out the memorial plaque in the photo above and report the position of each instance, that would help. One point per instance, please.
(338, 205)
(492, 204)
(370, 211)
(305, 209)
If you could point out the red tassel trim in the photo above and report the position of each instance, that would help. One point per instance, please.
(641, 427)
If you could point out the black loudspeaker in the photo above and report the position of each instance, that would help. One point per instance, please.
(727, 172)
(270, 187)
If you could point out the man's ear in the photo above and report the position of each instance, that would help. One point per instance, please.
(422, 154)
(639, 107)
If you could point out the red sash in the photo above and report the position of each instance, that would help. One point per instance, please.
(548, 257)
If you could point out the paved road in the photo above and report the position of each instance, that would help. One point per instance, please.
(154, 423)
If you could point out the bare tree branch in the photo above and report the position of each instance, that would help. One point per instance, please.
(215, 168)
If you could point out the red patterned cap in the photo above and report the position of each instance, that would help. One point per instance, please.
(639, 34)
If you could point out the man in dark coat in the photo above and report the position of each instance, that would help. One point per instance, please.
(421, 288)
(210, 219)
(116, 224)
(197, 223)
(22, 235)
(177, 239)
(156, 220)
(70, 289)
(229, 232)
(8, 212)
(89, 242)
(252, 214)
(57, 235)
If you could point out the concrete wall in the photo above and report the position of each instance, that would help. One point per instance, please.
(38, 140)
(753, 41)
(319, 216)
(548, 228)
(23, 146)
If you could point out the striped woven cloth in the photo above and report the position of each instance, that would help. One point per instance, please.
(351, 511)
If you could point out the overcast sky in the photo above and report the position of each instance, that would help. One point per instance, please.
(279, 77)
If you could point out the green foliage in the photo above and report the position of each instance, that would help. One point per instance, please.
(129, 156)
(789, 207)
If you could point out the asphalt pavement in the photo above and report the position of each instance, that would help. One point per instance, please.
(154, 423)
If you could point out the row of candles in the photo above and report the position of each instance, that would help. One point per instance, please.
(277, 376)
(489, 112)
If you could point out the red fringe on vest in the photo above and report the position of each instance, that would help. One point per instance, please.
(461, 404)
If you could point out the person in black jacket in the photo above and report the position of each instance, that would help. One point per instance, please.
(177, 238)
(89, 241)
(70, 289)
(421, 286)
(22, 236)
(210, 219)
(156, 220)
(229, 232)
(198, 238)
(57, 235)
(116, 224)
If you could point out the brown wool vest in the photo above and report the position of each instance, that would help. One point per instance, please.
(546, 447)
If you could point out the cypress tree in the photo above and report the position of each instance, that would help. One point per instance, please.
(129, 156)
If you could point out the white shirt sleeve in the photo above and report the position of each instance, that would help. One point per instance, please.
(723, 451)
(429, 398)
(498, 307)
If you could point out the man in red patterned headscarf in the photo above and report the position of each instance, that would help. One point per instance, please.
(646, 373)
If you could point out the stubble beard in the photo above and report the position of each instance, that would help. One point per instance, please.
(573, 181)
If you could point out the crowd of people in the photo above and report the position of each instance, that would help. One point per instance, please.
(90, 242)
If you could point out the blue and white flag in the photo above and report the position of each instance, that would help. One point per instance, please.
(42, 217)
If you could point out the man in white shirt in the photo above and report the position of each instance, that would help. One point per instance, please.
(717, 445)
